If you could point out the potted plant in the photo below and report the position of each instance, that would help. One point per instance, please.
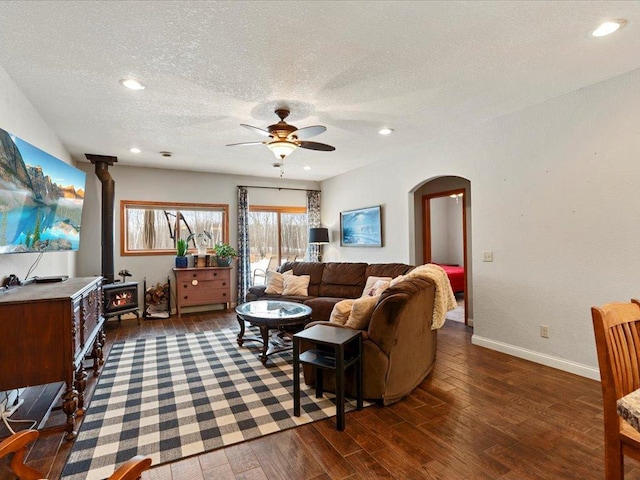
(225, 254)
(182, 247)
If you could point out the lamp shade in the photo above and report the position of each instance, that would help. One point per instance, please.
(318, 235)
(281, 148)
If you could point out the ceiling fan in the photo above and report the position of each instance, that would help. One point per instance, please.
(285, 138)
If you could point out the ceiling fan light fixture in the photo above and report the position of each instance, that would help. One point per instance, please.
(385, 131)
(281, 148)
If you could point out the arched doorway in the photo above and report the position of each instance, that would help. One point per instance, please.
(442, 216)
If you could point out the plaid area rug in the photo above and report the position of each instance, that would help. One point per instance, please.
(176, 396)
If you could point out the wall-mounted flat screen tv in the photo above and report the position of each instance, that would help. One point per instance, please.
(41, 199)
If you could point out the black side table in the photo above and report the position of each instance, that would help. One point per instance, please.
(328, 359)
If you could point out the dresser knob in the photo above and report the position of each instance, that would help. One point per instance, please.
(224, 294)
(224, 284)
(195, 274)
(215, 274)
(186, 296)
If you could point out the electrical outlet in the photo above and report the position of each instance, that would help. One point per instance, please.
(544, 331)
(487, 256)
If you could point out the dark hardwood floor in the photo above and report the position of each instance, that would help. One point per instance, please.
(480, 415)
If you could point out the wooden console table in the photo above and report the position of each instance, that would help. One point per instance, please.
(47, 330)
(202, 286)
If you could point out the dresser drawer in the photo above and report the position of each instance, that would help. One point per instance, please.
(202, 275)
(201, 296)
(202, 286)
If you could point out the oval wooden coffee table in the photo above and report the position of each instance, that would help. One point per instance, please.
(269, 315)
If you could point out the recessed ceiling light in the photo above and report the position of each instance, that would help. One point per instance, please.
(385, 131)
(132, 84)
(306, 167)
(607, 28)
(135, 150)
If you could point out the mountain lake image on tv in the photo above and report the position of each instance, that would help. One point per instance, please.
(41, 199)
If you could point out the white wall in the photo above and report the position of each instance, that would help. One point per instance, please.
(455, 251)
(439, 226)
(554, 195)
(157, 185)
(446, 230)
(18, 117)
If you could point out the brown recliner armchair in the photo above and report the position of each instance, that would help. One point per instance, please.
(399, 346)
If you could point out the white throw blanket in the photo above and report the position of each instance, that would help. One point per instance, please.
(444, 299)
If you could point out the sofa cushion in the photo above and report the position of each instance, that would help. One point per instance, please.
(295, 285)
(322, 307)
(361, 311)
(341, 311)
(313, 269)
(387, 269)
(275, 285)
(344, 280)
(372, 282)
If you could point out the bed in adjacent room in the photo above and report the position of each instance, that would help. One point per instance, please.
(456, 277)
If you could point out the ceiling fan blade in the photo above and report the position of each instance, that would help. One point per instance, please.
(243, 144)
(257, 130)
(308, 132)
(317, 146)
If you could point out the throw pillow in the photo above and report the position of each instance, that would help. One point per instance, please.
(379, 287)
(368, 287)
(341, 311)
(296, 285)
(275, 284)
(361, 313)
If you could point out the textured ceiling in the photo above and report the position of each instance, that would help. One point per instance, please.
(425, 69)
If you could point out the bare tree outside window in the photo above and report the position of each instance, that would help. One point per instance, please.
(153, 228)
(277, 231)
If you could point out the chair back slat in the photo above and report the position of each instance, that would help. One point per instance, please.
(618, 344)
(623, 345)
(616, 329)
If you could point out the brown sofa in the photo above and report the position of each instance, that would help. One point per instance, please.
(399, 346)
(330, 282)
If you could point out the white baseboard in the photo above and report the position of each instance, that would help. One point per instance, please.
(537, 357)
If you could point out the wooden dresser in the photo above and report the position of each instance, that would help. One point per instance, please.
(47, 331)
(202, 286)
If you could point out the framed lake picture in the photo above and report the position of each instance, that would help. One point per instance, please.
(361, 227)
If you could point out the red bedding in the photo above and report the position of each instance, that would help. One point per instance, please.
(456, 277)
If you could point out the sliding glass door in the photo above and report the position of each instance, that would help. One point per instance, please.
(279, 232)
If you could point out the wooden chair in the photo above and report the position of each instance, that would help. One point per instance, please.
(17, 443)
(617, 332)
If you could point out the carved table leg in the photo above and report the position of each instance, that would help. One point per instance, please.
(241, 333)
(96, 355)
(69, 406)
(103, 342)
(80, 385)
(264, 331)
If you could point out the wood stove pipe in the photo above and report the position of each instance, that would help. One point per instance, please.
(102, 163)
